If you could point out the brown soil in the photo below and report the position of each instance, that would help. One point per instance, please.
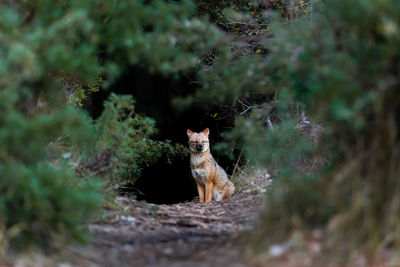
(134, 233)
(184, 234)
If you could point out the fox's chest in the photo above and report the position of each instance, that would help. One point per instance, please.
(200, 175)
(200, 168)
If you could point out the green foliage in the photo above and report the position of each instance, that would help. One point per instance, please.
(125, 137)
(289, 154)
(41, 198)
(349, 79)
(237, 67)
(45, 202)
(341, 62)
(57, 52)
(338, 58)
(78, 91)
(285, 142)
(294, 202)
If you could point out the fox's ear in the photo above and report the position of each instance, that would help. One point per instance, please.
(189, 132)
(206, 131)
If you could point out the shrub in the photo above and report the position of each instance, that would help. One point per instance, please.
(55, 52)
(341, 62)
(124, 143)
(46, 202)
(347, 79)
(40, 196)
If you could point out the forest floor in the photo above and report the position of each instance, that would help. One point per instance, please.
(135, 233)
(184, 234)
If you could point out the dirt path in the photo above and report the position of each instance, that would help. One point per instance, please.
(184, 234)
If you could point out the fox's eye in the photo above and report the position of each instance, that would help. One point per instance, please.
(204, 142)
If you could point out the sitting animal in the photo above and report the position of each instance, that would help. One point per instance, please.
(212, 181)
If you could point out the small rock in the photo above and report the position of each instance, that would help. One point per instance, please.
(67, 155)
(127, 218)
(276, 250)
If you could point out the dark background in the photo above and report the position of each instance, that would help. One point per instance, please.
(163, 182)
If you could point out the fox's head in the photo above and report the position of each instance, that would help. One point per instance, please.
(198, 142)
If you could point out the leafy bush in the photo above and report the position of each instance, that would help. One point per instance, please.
(290, 154)
(348, 79)
(42, 198)
(45, 202)
(341, 62)
(124, 143)
(55, 52)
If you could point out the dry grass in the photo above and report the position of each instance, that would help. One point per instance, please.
(253, 178)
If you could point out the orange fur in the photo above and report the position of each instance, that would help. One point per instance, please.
(212, 181)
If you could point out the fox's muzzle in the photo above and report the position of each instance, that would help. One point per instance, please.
(199, 147)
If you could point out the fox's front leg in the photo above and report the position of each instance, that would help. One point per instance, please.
(209, 190)
(200, 189)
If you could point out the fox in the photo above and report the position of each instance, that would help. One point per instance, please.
(211, 179)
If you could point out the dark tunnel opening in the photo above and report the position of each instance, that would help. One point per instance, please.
(164, 183)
